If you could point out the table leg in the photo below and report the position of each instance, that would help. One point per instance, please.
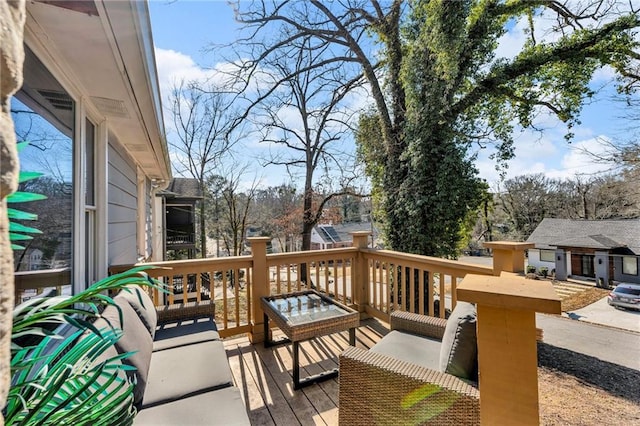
(352, 336)
(267, 336)
(296, 365)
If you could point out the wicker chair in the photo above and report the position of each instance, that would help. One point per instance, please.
(379, 389)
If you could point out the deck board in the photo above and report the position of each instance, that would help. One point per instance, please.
(265, 378)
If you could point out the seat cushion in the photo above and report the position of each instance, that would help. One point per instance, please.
(222, 407)
(187, 370)
(136, 339)
(459, 349)
(418, 350)
(142, 303)
(185, 332)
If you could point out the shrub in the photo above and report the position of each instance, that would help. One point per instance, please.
(543, 271)
(531, 269)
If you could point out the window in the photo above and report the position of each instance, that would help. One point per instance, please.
(547, 256)
(587, 265)
(89, 203)
(43, 115)
(630, 265)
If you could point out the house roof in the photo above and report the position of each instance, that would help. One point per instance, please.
(594, 234)
(182, 188)
(106, 54)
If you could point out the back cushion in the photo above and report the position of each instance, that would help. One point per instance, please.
(459, 348)
(141, 302)
(135, 338)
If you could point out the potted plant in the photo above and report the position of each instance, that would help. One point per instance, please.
(69, 378)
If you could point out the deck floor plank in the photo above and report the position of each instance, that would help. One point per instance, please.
(264, 376)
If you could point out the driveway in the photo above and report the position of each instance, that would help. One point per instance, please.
(603, 314)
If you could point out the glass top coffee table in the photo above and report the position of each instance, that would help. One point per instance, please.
(304, 315)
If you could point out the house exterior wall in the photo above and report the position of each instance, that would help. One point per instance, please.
(122, 196)
(617, 271)
(534, 260)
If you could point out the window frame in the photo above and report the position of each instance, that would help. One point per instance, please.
(634, 269)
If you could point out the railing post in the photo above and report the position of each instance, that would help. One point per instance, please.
(360, 275)
(260, 287)
(508, 256)
(507, 349)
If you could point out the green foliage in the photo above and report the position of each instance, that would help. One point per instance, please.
(544, 271)
(531, 269)
(458, 94)
(17, 231)
(68, 379)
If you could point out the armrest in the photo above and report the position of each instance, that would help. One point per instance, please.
(422, 325)
(377, 389)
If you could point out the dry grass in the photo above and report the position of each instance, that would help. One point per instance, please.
(583, 298)
(577, 389)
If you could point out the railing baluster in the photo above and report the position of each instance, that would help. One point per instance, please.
(198, 287)
(225, 315)
(454, 293)
(432, 278)
(443, 295)
(278, 283)
(248, 287)
(422, 296)
(236, 292)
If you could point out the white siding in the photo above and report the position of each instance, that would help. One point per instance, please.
(534, 260)
(122, 207)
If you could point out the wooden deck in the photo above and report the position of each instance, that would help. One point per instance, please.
(265, 376)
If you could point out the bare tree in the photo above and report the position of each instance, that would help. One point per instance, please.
(235, 209)
(202, 117)
(305, 122)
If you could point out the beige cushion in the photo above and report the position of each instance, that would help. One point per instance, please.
(407, 347)
(135, 338)
(185, 332)
(142, 303)
(187, 370)
(459, 348)
(222, 407)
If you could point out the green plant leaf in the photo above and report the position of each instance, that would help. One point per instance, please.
(27, 176)
(15, 247)
(20, 215)
(17, 227)
(22, 145)
(19, 237)
(24, 197)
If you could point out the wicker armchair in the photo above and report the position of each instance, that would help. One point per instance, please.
(376, 388)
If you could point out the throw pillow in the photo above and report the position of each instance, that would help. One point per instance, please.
(459, 348)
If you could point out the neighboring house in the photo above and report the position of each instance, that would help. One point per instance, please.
(90, 106)
(179, 204)
(335, 236)
(599, 249)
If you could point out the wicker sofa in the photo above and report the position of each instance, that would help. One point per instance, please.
(182, 373)
(423, 372)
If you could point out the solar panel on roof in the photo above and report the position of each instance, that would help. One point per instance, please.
(332, 233)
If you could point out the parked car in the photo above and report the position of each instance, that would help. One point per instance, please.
(625, 295)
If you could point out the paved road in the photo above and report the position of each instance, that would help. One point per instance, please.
(603, 314)
(608, 344)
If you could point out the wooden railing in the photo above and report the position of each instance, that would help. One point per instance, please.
(375, 282)
(408, 282)
(32, 283)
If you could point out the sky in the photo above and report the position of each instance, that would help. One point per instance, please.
(183, 29)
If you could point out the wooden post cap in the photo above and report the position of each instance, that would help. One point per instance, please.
(510, 292)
